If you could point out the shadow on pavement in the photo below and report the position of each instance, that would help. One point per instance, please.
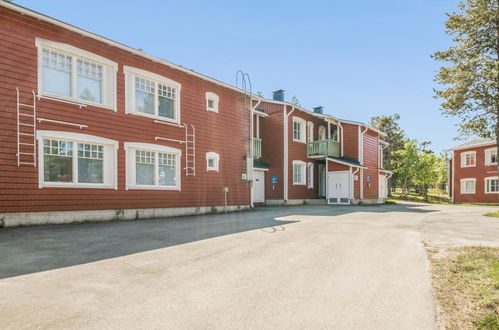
(25, 250)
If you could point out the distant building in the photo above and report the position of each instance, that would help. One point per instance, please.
(473, 174)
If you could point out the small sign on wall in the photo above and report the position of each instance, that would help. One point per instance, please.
(368, 178)
(274, 179)
(356, 178)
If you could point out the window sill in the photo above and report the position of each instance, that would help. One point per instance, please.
(212, 110)
(72, 100)
(299, 184)
(468, 166)
(304, 142)
(76, 185)
(492, 192)
(470, 193)
(159, 118)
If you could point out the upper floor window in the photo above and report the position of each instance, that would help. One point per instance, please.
(212, 160)
(322, 133)
(333, 132)
(152, 95)
(468, 186)
(491, 156)
(492, 185)
(151, 166)
(71, 159)
(76, 75)
(299, 129)
(468, 159)
(299, 172)
(310, 131)
(212, 101)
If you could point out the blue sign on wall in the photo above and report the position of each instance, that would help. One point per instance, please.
(368, 178)
(274, 179)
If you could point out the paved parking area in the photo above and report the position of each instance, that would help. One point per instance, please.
(279, 267)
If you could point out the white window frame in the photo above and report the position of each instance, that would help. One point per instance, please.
(488, 156)
(463, 185)
(463, 158)
(110, 159)
(490, 178)
(303, 129)
(109, 69)
(303, 170)
(310, 175)
(131, 147)
(310, 131)
(216, 158)
(130, 74)
(213, 97)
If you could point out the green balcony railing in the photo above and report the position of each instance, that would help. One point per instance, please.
(326, 148)
(257, 148)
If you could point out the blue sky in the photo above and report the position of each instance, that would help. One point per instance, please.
(356, 58)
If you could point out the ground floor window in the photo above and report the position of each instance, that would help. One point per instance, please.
(80, 160)
(299, 172)
(492, 185)
(468, 186)
(151, 166)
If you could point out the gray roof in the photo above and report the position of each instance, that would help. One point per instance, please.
(475, 143)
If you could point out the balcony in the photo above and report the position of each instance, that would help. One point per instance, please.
(323, 148)
(257, 148)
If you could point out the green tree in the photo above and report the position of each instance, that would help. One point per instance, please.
(394, 137)
(471, 80)
(427, 172)
(405, 162)
(295, 101)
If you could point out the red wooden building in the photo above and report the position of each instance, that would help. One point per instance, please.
(303, 156)
(96, 130)
(473, 172)
(92, 129)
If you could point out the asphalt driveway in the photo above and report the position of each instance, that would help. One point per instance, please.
(277, 267)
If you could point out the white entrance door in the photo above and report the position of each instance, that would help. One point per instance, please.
(322, 180)
(338, 187)
(382, 187)
(259, 187)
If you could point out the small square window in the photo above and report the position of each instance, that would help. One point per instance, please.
(468, 159)
(212, 159)
(212, 102)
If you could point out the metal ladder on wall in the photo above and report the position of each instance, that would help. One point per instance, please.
(26, 130)
(190, 151)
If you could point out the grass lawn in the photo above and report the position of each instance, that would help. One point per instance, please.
(492, 214)
(466, 283)
(437, 196)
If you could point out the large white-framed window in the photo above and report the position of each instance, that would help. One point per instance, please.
(491, 156)
(72, 74)
(321, 131)
(212, 102)
(468, 186)
(310, 131)
(299, 172)
(492, 185)
(468, 159)
(310, 175)
(151, 95)
(212, 161)
(76, 160)
(299, 129)
(152, 166)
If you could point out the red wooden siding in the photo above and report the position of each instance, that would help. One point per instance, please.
(350, 141)
(226, 133)
(371, 154)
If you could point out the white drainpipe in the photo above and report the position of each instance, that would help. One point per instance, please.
(286, 162)
(252, 146)
(361, 161)
(453, 183)
(341, 141)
